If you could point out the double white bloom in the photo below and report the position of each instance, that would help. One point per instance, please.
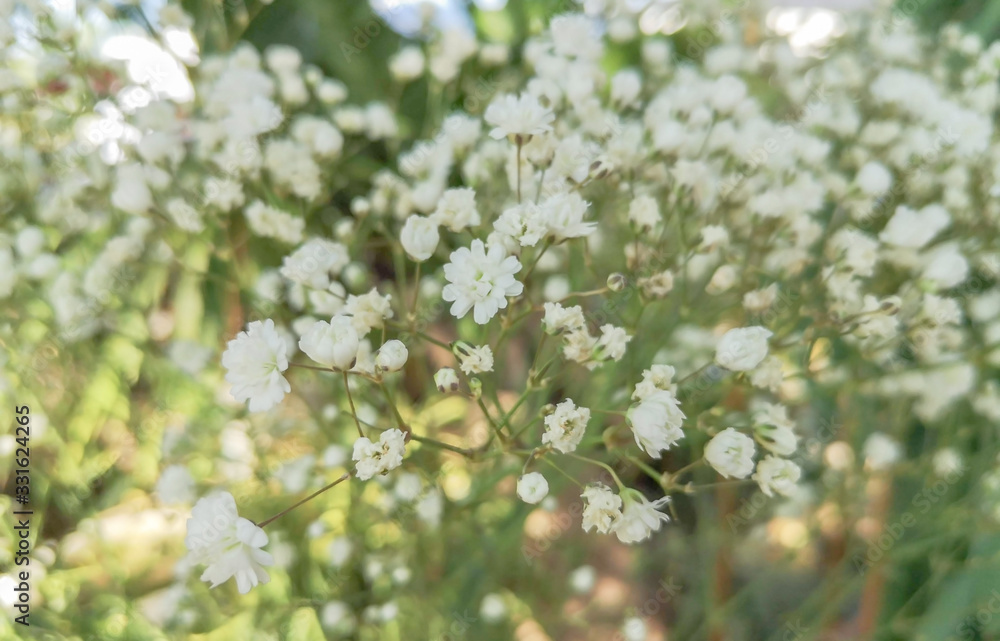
(564, 428)
(254, 361)
(631, 521)
(743, 348)
(334, 344)
(480, 280)
(731, 453)
(378, 458)
(228, 544)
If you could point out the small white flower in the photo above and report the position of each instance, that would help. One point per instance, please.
(492, 608)
(480, 280)
(369, 311)
(379, 458)
(640, 518)
(881, 451)
(563, 319)
(742, 349)
(603, 508)
(522, 116)
(874, 179)
(731, 453)
(563, 216)
(408, 64)
(644, 213)
(532, 487)
(565, 427)
(456, 209)
(314, 262)
(657, 377)
(475, 360)
(419, 237)
(611, 344)
(175, 485)
(229, 545)
(914, 229)
(254, 361)
(391, 356)
(656, 422)
(446, 380)
(334, 344)
(777, 475)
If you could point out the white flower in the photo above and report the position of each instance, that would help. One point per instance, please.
(175, 485)
(446, 380)
(314, 262)
(532, 487)
(419, 237)
(742, 349)
(874, 179)
(378, 458)
(456, 209)
(254, 361)
(777, 475)
(270, 222)
(391, 356)
(475, 360)
(611, 344)
(634, 629)
(657, 377)
(563, 216)
(229, 545)
(644, 213)
(369, 311)
(408, 64)
(522, 116)
(563, 319)
(640, 518)
(480, 280)
(334, 344)
(730, 453)
(656, 422)
(914, 229)
(945, 265)
(778, 438)
(564, 428)
(881, 451)
(522, 223)
(603, 508)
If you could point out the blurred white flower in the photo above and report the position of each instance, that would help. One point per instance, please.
(228, 544)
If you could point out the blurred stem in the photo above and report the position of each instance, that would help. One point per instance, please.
(518, 170)
(350, 399)
(280, 514)
(442, 445)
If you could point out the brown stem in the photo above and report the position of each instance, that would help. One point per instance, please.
(280, 514)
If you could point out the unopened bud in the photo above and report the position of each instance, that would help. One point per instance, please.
(446, 380)
(617, 282)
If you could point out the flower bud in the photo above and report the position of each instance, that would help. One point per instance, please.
(446, 380)
(391, 356)
(476, 387)
(617, 282)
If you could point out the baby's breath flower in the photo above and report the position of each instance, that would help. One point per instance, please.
(474, 360)
(532, 487)
(379, 458)
(742, 349)
(334, 343)
(446, 380)
(730, 453)
(254, 361)
(517, 117)
(603, 508)
(565, 427)
(480, 280)
(776, 475)
(228, 544)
